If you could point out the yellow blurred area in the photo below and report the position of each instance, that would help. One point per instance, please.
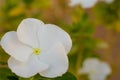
(18, 10)
(117, 26)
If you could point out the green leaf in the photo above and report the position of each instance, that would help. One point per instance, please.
(67, 76)
(6, 74)
(12, 77)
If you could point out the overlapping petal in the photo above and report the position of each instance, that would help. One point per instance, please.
(51, 34)
(28, 68)
(57, 60)
(27, 31)
(14, 47)
(37, 34)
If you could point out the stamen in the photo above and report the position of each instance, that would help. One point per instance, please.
(36, 51)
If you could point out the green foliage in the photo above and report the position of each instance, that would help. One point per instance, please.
(108, 13)
(6, 74)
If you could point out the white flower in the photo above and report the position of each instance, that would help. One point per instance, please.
(95, 69)
(84, 3)
(37, 48)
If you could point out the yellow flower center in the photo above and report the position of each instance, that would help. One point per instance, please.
(36, 51)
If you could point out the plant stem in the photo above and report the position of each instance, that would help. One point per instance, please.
(79, 58)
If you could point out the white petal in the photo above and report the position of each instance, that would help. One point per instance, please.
(57, 60)
(104, 69)
(90, 65)
(27, 31)
(84, 3)
(52, 34)
(14, 47)
(88, 3)
(97, 77)
(26, 69)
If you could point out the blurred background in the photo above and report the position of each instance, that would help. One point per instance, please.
(95, 31)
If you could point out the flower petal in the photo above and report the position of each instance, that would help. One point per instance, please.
(27, 31)
(90, 65)
(57, 60)
(26, 69)
(51, 34)
(97, 77)
(104, 69)
(14, 47)
(88, 3)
